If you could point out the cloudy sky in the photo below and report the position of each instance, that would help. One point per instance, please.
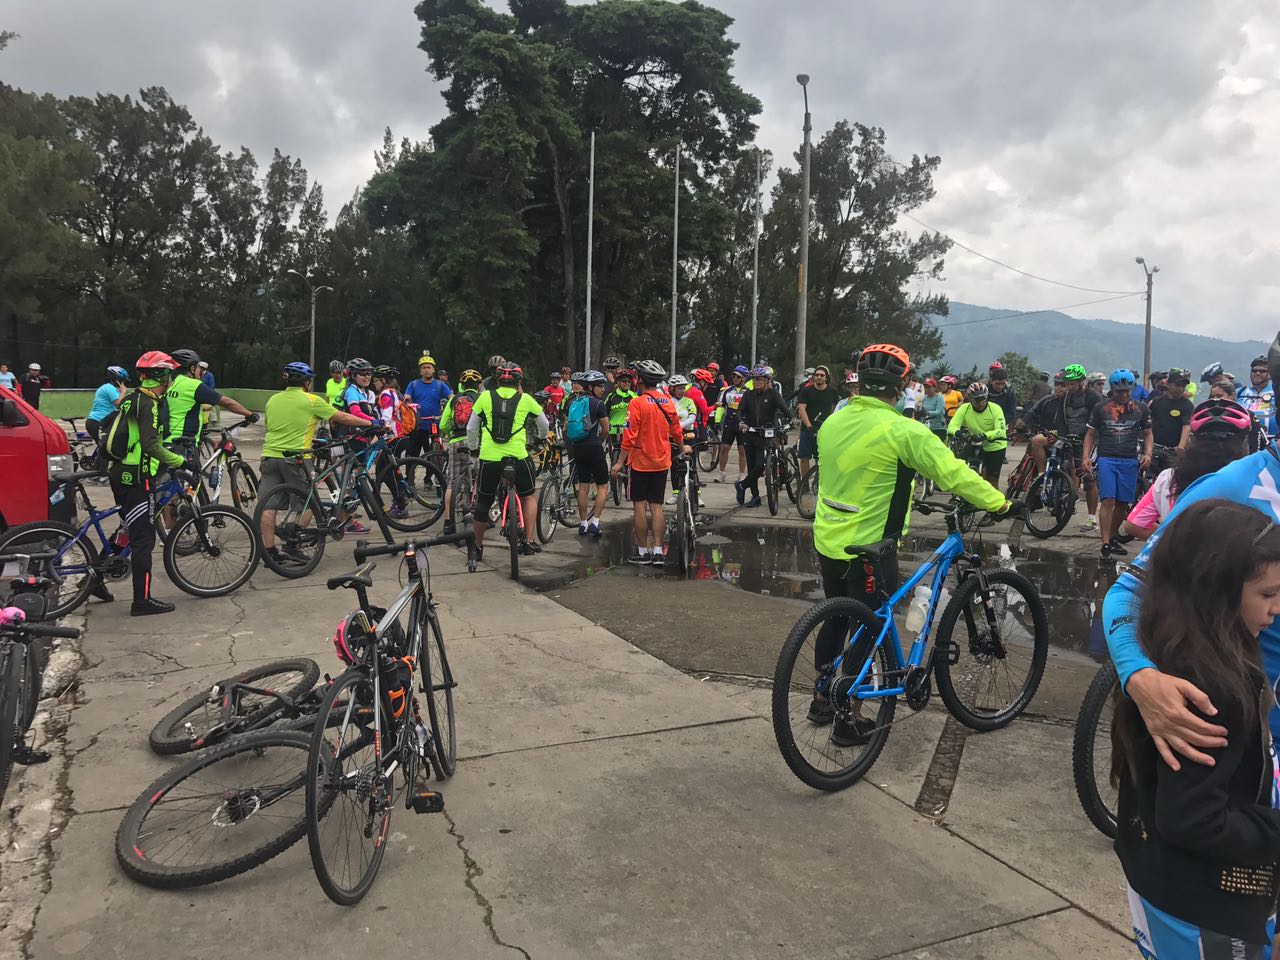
(1074, 135)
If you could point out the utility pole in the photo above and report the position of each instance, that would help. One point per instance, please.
(591, 216)
(802, 304)
(675, 261)
(313, 291)
(755, 268)
(1146, 343)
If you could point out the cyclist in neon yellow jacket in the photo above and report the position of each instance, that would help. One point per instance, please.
(984, 419)
(870, 455)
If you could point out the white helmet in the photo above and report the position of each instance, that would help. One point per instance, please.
(677, 381)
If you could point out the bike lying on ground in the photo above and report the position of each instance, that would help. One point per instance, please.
(992, 644)
(1091, 750)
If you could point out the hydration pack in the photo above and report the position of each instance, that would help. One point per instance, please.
(579, 419)
(502, 415)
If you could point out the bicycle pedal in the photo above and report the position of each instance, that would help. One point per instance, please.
(951, 650)
(427, 801)
(27, 756)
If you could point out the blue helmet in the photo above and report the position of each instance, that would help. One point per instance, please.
(761, 372)
(300, 370)
(1121, 378)
(118, 373)
(741, 369)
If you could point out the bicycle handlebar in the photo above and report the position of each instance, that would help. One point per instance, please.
(364, 551)
(41, 630)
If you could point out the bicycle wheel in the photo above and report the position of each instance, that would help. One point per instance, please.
(684, 534)
(349, 799)
(511, 529)
(223, 555)
(549, 506)
(184, 728)
(1049, 514)
(438, 684)
(224, 811)
(180, 508)
(244, 486)
(299, 541)
(989, 671)
(411, 490)
(1091, 751)
(73, 569)
(791, 474)
(807, 498)
(806, 745)
(709, 458)
(771, 481)
(13, 664)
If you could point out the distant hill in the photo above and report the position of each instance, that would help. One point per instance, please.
(1052, 339)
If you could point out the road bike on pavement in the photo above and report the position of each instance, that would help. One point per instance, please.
(990, 653)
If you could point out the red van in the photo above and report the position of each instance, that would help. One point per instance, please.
(32, 449)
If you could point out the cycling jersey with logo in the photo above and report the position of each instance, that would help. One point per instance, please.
(1120, 428)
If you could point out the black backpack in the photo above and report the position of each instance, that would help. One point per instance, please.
(502, 415)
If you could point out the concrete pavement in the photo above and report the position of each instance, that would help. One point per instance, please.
(606, 803)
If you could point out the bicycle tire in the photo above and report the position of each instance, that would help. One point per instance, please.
(709, 458)
(512, 530)
(32, 682)
(1042, 521)
(421, 482)
(321, 799)
(858, 614)
(43, 535)
(771, 481)
(244, 486)
(1094, 707)
(791, 477)
(438, 684)
(12, 665)
(984, 720)
(211, 530)
(679, 538)
(549, 505)
(169, 736)
(184, 506)
(807, 497)
(291, 500)
(135, 832)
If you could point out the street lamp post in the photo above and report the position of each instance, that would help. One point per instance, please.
(802, 304)
(755, 266)
(1146, 343)
(313, 292)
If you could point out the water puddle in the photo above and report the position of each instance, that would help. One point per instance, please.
(781, 562)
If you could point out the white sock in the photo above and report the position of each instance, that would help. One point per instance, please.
(595, 522)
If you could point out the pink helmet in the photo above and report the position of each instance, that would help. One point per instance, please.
(351, 637)
(1221, 416)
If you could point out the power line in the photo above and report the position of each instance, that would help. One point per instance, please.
(1001, 263)
(1031, 313)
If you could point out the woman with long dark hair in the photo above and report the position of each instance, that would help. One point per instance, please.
(1200, 846)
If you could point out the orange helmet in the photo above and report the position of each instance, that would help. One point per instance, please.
(156, 360)
(703, 376)
(883, 363)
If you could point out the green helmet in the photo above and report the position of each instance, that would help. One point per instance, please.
(1073, 371)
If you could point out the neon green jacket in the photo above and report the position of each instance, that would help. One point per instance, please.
(870, 456)
(616, 403)
(989, 424)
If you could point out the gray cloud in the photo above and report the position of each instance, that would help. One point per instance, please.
(1073, 136)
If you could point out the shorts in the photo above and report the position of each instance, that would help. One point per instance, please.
(491, 476)
(647, 486)
(277, 471)
(991, 462)
(1117, 479)
(729, 432)
(1162, 936)
(456, 464)
(807, 446)
(589, 463)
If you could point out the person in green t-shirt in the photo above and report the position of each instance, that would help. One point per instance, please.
(982, 418)
(186, 395)
(336, 385)
(499, 431)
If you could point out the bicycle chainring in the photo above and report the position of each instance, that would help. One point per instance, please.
(919, 687)
(114, 567)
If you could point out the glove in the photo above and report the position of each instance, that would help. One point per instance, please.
(191, 466)
(253, 418)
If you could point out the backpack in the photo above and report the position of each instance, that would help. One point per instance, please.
(463, 403)
(580, 424)
(115, 429)
(502, 415)
(406, 417)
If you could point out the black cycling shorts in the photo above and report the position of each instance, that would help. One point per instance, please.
(589, 463)
(647, 486)
(731, 432)
(491, 475)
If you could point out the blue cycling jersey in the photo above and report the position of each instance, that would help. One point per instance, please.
(430, 398)
(104, 402)
(1253, 481)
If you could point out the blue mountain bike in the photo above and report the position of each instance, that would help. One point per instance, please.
(842, 671)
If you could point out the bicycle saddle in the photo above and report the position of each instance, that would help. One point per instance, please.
(360, 577)
(872, 552)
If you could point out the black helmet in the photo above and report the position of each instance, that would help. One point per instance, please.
(612, 363)
(359, 365)
(384, 372)
(650, 371)
(336, 366)
(593, 378)
(185, 358)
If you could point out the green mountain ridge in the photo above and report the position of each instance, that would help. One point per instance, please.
(974, 336)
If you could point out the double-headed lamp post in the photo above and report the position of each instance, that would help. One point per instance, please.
(312, 291)
(1146, 343)
(802, 302)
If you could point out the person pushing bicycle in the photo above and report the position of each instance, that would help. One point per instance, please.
(870, 457)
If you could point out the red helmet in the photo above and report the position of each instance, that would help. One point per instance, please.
(510, 373)
(713, 367)
(704, 376)
(996, 365)
(156, 360)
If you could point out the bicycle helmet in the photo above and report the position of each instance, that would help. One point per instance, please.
(1097, 377)
(1073, 373)
(118, 373)
(949, 380)
(1122, 379)
(704, 376)
(612, 363)
(576, 377)
(542, 396)
(470, 376)
(1212, 371)
(186, 358)
(883, 363)
(494, 362)
(352, 637)
(426, 358)
(713, 367)
(592, 378)
(741, 371)
(384, 372)
(624, 374)
(336, 366)
(156, 360)
(930, 382)
(995, 365)
(809, 371)
(298, 371)
(650, 371)
(678, 380)
(977, 391)
(359, 365)
(510, 373)
(1059, 377)
(1221, 416)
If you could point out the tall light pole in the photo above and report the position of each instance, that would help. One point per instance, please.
(802, 304)
(755, 267)
(312, 291)
(591, 222)
(675, 261)
(1146, 343)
